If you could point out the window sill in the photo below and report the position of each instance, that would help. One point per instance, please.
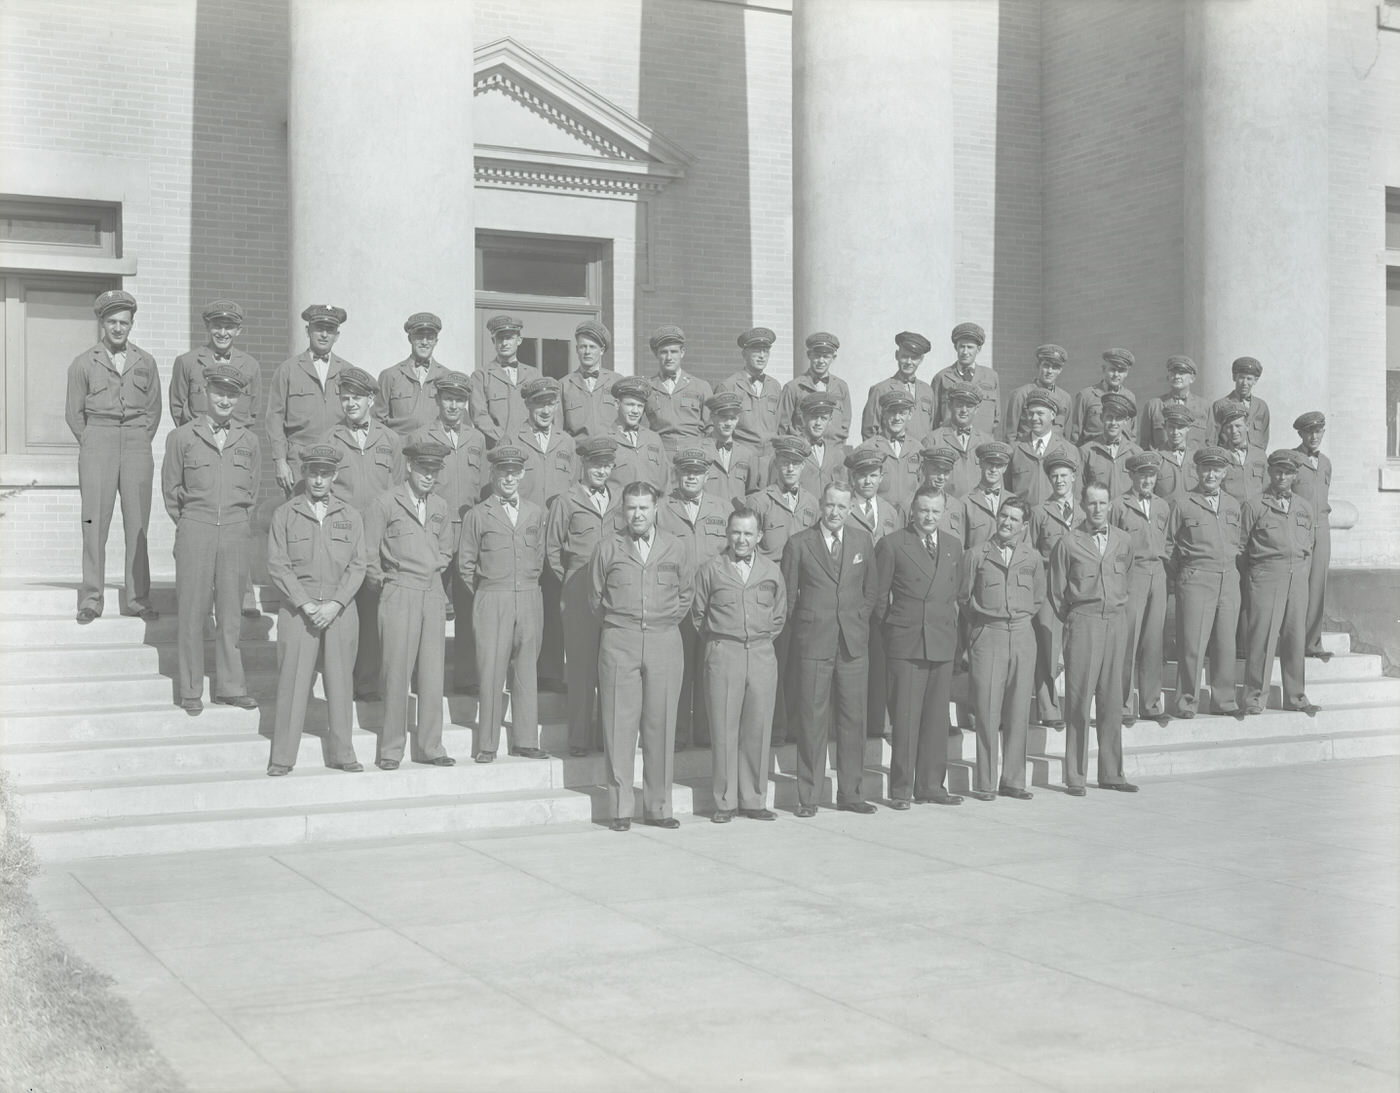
(1390, 475)
(39, 471)
(34, 262)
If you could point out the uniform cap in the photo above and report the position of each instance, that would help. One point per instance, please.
(1285, 457)
(1060, 458)
(113, 299)
(822, 340)
(223, 309)
(723, 401)
(963, 392)
(633, 387)
(506, 455)
(422, 320)
(1038, 397)
(320, 455)
(690, 458)
(913, 343)
(994, 451)
(894, 401)
(592, 328)
(817, 403)
(428, 452)
(1177, 416)
(969, 332)
(324, 313)
(1143, 461)
(939, 458)
(1212, 455)
(1051, 352)
(668, 334)
(1231, 411)
(793, 447)
(596, 449)
(758, 337)
(1181, 364)
(1115, 404)
(864, 459)
(1248, 365)
(540, 389)
(356, 381)
(1311, 420)
(1119, 356)
(503, 324)
(459, 382)
(226, 375)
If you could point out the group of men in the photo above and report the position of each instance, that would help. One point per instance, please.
(725, 566)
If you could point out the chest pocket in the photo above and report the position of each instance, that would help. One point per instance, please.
(98, 381)
(725, 597)
(301, 539)
(141, 378)
(563, 464)
(243, 458)
(384, 457)
(689, 405)
(653, 455)
(199, 470)
(767, 593)
(714, 527)
(582, 524)
(532, 534)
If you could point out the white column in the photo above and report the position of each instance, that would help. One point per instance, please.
(873, 238)
(1256, 199)
(380, 158)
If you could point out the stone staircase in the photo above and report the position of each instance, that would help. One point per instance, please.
(103, 763)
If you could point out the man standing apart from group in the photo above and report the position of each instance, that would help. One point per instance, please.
(113, 409)
(303, 404)
(968, 339)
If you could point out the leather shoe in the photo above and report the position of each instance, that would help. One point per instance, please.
(243, 702)
(722, 816)
(899, 804)
(621, 824)
(757, 814)
(1076, 791)
(1320, 654)
(1014, 793)
(276, 770)
(1121, 787)
(1306, 708)
(1129, 721)
(865, 808)
(438, 761)
(252, 613)
(1163, 720)
(939, 799)
(1055, 723)
(578, 753)
(1186, 713)
(146, 614)
(1254, 709)
(978, 795)
(530, 753)
(667, 823)
(192, 706)
(552, 686)
(387, 764)
(351, 767)
(86, 615)
(484, 757)
(805, 812)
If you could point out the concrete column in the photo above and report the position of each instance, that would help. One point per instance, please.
(1256, 199)
(873, 239)
(380, 158)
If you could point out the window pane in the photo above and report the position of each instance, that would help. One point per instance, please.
(556, 358)
(534, 274)
(1392, 219)
(62, 233)
(58, 325)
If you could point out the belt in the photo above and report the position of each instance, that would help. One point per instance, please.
(987, 621)
(747, 643)
(113, 423)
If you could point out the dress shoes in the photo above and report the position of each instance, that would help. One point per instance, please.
(666, 823)
(1014, 793)
(1186, 713)
(722, 816)
(438, 761)
(757, 814)
(1076, 791)
(578, 753)
(86, 615)
(979, 795)
(939, 799)
(552, 686)
(865, 808)
(252, 613)
(1163, 720)
(387, 764)
(621, 824)
(805, 812)
(1129, 721)
(1121, 787)
(1319, 654)
(1253, 709)
(899, 804)
(1305, 707)
(1055, 723)
(277, 770)
(192, 706)
(243, 702)
(530, 753)
(352, 767)
(146, 614)
(484, 757)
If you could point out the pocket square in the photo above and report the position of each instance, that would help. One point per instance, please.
(858, 559)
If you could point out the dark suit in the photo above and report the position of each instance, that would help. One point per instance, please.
(916, 601)
(829, 605)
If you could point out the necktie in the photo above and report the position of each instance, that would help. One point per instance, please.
(452, 437)
(511, 511)
(643, 548)
(542, 439)
(931, 545)
(897, 446)
(1146, 503)
(869, 511)
(836, 548)
(963, 438)
(1239, 457)
(318, 510)
(421, 506)
(1039, 447)
(1283, 503)
(1213, 502)
(630, 435)
(1065, 510)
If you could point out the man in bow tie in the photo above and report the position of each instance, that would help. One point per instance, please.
(676, 400)
(303, 401)
(1049, 521)
(968, 339)
(982, 503)
(497, 408)
(759, 392)
(1313, 485)
(734, 466)
(1145, 517)
(1245, 371)
(1025, 475)
(910, 350)
(585, 394)
(961, 437)
(408, 390)
(1050, 362)
(818, 379)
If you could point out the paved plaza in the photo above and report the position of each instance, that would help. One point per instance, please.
(1234, 931)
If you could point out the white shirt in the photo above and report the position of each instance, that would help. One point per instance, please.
(1101, 541)
(599, 499)
(318, 510)
(118, 361)
(745, 567)
(830, 538)
(692, 509)
(1040, 445)
(323, 368)
(643, 544)
(420, 505)
(511, 506)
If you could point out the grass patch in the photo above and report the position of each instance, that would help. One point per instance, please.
(62, 1028)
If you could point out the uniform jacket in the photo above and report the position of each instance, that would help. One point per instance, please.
(1149, 533)
(300, 412)
(954, 520)
(817, 471)
(987, 417)
(1048, 524)
(647, 461)
(203, 484)
(1152, 430)
(1086, 415)
(311, 561)
(728, 608)
(778, 520)
(401, 550)
(1016, 405)
(1249, 480)
(1256, 417)
(1084, 583)
(887, 518)
(916, 595)
(464, 477)
(627, 593)
(706, 537)
(189, 394)
(1314, 485)
(550, 470)
(997, 591)
(1201, 539)
(965, 473)
(574, 528)
(979, 519)
(740, 479)
(495, 555)
(497, 408)
(678, 417)
(364, 475)
(921, 419)
(1025, 474)
(830, 604)
(404, 405)
(758, 416)
(795, 390)
(1098, 466)
(587, 413)
(903, 472)
(97, 392)
(1176, 480)
(1276, 541)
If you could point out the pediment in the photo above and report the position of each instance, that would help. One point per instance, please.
(536, 127)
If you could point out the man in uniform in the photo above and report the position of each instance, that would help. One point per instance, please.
(303, 401)
(960, 436)
(699, 520)
(1086, 419)
(740, 607)
(316, 560)
(408, 390)
(1050, 362)
(497, 408)
(1314, 483)
(1278, 532)
(909, 352)
(879, 517)
(830, 576)
(641, 454)
(936, 465)
(1049, 522)
(980, 506)
(900, 450)
(1145, 517)
(968, 339)
(642, 582)
(1003, 589)
(1088, 586)
(1246, 372)
(500, 556)
(1152, 426)
(760, 392)
(1025, 474)
(1204, 535)
(917, 571)
(113, 410)
(578, 520)
(370, 462)
(1104, 460)
(460, 484)
(826, 460)
(817, 380)
(1247, 473)
(675, 399)
(586, 393)
(209, 481)
(1176, 474)
(408, 537)
(734, 466)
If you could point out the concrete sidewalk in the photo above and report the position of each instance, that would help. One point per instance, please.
(1233, 931)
